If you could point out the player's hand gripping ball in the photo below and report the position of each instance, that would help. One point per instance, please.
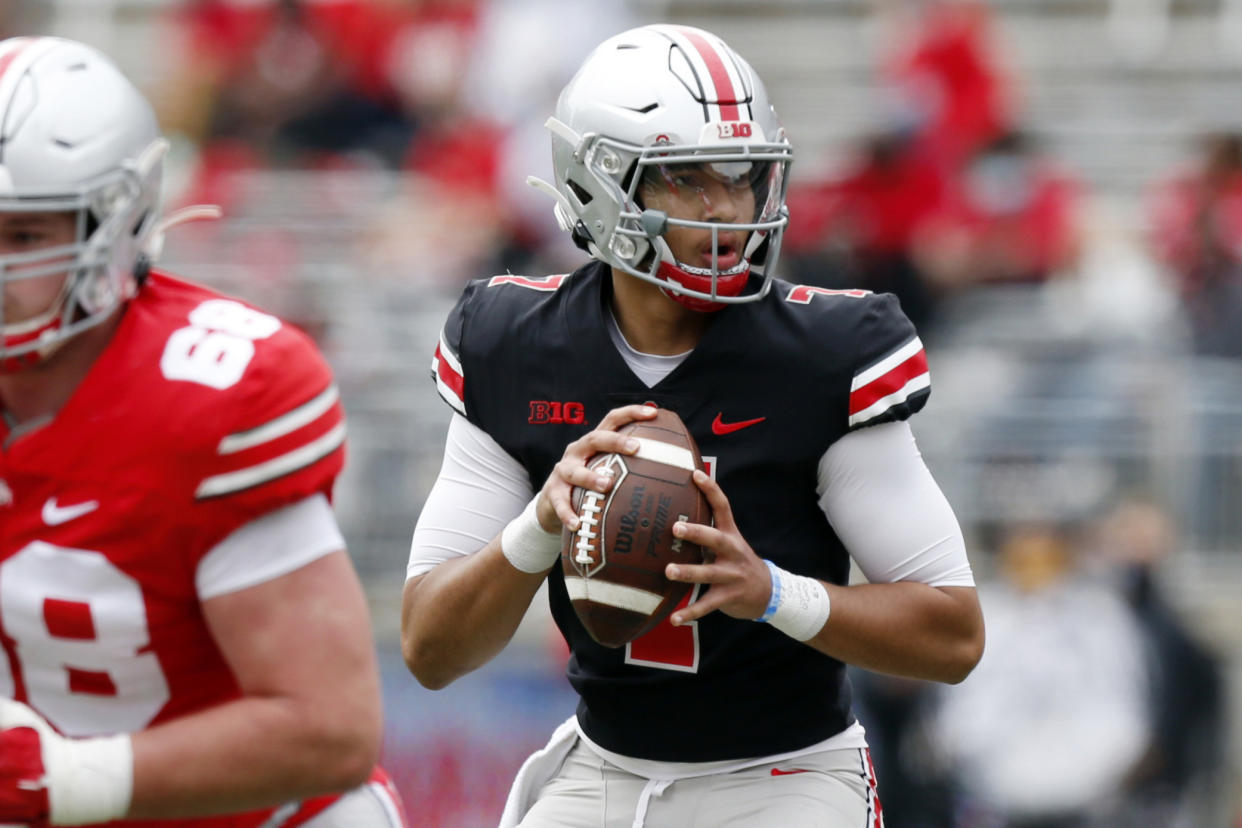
(614, 563)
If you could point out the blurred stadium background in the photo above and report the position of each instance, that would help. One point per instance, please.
(370, 158)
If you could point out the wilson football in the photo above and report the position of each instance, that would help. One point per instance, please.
(614, 564)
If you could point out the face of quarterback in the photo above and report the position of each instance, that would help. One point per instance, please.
(720, 192)
(24, 233)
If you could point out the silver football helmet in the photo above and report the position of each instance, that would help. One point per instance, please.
(75, 137)
(644, 102)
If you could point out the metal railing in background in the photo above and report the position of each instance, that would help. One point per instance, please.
(1032, 413)
(313, 248)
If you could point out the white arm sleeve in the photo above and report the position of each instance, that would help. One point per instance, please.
(269, 546)
(888, 511)
(481, 488)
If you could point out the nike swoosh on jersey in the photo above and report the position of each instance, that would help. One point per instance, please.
(54, 514)
(779, 772)
(719, 427)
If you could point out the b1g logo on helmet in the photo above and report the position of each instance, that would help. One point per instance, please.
(543, 412)
(734, 129)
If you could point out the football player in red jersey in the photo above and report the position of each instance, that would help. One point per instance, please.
(670, 170)
(185, 641)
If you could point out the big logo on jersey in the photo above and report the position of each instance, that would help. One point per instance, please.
(549, 411)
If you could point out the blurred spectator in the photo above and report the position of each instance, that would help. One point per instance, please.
(1177, 781)
(421, 54)
(1054, 720)
(896, 222)
(1013, 216)
(855, 230)
(1194, 228)
(515, 94)
(302, 82)
(946, 193)
(480, 121)
(455, 153)
(944, 79)
(412, 85)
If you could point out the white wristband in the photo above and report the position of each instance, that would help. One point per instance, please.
(89, 780)
(527, 545)
(799, 606)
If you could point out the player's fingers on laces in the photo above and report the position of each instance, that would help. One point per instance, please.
(581, 451)
(557, 489)
(598, 442)
(558, 495)
(584, 477)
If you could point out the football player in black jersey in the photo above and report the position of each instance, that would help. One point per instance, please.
(670, 170)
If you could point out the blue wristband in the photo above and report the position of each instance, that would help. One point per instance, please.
(775, 600)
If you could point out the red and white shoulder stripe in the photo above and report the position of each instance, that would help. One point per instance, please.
(282, 446)
(450, 381)
(723, 86)
(888, 383)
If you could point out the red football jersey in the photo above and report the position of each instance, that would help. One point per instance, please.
(202, 414)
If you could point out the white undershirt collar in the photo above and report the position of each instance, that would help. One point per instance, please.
(650, 368)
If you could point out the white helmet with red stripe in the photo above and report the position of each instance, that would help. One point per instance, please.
(75, 137)
(652, 98)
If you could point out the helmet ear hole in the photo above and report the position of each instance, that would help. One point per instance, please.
(584, 197)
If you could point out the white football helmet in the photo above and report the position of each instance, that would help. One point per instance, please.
(75, 136)
(650, 99)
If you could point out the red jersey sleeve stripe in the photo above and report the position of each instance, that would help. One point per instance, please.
(896, 398)
(299, 458)
(889, 382)
(286, 423)
(450, 381)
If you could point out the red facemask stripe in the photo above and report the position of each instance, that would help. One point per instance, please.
(726, 96)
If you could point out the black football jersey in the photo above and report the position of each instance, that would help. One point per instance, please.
(771, 385)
